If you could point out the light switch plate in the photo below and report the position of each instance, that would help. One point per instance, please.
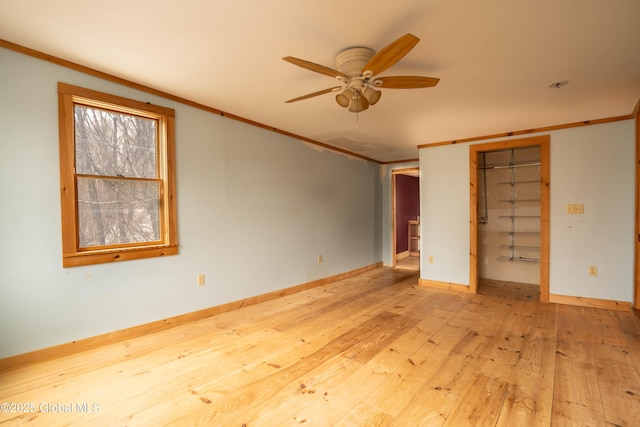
(575, 208)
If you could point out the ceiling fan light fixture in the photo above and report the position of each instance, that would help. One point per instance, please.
(358, 103)
(372, 95)
(344, 98)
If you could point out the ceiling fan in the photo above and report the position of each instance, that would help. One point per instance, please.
(357, 70)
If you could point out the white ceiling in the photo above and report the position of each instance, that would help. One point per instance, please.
(495, 58)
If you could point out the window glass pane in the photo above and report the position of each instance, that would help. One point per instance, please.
(117, 211)
(114, 144)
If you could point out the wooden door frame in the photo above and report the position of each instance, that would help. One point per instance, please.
(544, 143)
(394, 173)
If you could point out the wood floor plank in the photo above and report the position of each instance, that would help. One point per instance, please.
(331, 327)
(576, 394)
(140, 376)
(490, 393)
(630, 328)
(365, 415)
(312, 400)
(326, 399)
(408, 360)
(375, 349)
(489, 363)
(266, 386)
(435, 401)
(619, 385)
(336, 397)
(530, 394)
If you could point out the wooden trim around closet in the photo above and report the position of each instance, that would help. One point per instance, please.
(545, 172)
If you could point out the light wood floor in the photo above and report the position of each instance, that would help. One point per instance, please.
(373, 350)
(411, 262)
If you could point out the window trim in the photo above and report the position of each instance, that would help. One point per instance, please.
(72, 254)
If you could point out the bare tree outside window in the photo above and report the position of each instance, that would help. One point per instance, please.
(122, 207)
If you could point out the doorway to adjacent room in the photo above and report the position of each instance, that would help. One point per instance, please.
(406, 218)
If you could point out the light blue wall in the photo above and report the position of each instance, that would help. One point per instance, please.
(255, 209)
(592, 165)
(444, 213)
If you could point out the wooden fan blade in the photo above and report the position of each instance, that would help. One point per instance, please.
(311, 95)
(314, 67)
(391, 54)
(407, 82)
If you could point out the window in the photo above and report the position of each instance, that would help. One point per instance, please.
(117, 178)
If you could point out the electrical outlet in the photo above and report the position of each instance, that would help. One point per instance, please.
(200, 279)
(593, 270)
(319, 258)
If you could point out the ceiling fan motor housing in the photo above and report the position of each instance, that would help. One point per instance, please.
(352, 61)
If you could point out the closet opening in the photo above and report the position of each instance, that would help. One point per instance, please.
(510, 214)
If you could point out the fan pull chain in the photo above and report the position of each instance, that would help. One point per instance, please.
(358, 111)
